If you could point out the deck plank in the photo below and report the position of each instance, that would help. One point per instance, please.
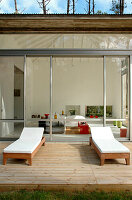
(64, 164)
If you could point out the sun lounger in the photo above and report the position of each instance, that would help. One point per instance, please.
(106, 146)
(26, 146)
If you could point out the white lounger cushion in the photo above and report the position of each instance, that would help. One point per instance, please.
(28, 141)
(101, 133)
(32, 133)
(104, 140)
(22, 146)
(110, 146)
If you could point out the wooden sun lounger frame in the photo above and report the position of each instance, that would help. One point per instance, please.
(104, 156)
(27, 156)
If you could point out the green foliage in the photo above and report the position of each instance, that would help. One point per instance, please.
(42, 195)
(99, 12)
(115, 7)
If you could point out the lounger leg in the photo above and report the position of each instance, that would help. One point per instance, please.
(43, 142)
(127, 161)
(90, 141)
(30, 161)
(4, 160)
(102, 161)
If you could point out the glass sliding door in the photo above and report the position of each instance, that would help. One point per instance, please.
(11, 96)
(117, 95)
(37, 102)
(77, 95)
(73, 90)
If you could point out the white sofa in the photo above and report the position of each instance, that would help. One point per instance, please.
(107, 146)
(26, 146)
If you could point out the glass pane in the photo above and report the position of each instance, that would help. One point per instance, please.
(120, 131)
(77, 94)
(35, 122)
(117, 93)
(11, 129)
(37, 90)
(11, 87)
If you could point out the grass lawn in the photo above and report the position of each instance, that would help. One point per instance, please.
(39, 195)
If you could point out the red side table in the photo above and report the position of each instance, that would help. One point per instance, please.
(84, 128)
(123, 132)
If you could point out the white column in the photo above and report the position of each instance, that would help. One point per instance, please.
(25, 90)
(130, 103)
(51, 98)
(104, 70)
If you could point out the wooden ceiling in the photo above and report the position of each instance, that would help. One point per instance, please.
(36, 23)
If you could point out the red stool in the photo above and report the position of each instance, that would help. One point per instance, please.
(84, 128)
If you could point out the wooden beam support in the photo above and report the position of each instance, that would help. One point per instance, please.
(65, 24)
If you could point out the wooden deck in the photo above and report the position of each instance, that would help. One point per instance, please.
(63, 166)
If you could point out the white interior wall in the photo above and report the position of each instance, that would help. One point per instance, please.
(76, 81)
(38, 86)
(19, 101)
(7, 96)
(113, 85)
(7, 92)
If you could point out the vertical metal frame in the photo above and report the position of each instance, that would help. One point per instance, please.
(121, 96)
(51, 98)
(130, 98)
(69, 52)
(25, 90)
(104, 86)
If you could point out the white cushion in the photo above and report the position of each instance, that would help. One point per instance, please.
(22, 146)
(110, 146)
(28, 141)
(101, 133)
(30, 133)
(75, 117)
(104, 140)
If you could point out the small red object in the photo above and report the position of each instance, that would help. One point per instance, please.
(46, 116)
(84, 128)
(91, 116)
(96, 116)
(123, 132)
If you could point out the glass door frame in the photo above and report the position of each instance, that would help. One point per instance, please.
(74, 52)
(105, 95)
